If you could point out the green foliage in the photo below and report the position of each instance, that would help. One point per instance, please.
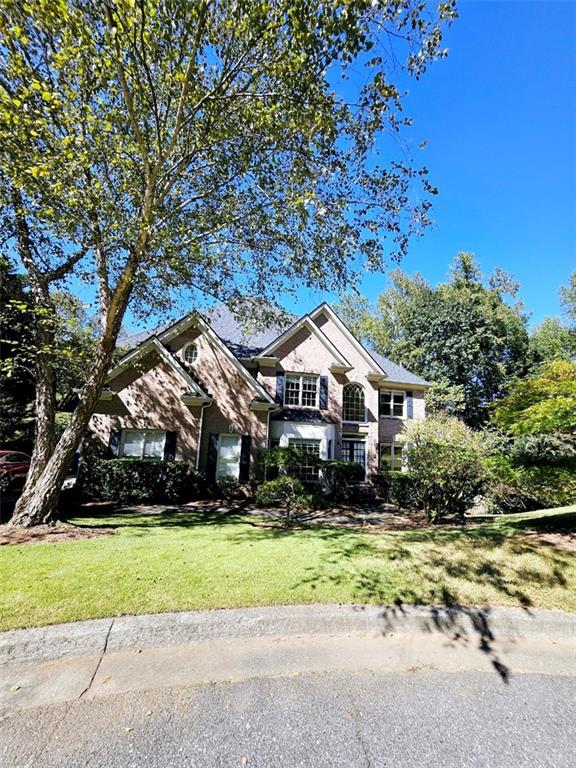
(444, 398)
(462, 334)
(340, 477)
(16, 370)
(282, 491)
(544, 450)
(404, 490)
(381, 483)
(551, 340)
(228, 488)
(568, 296)
(542, 404)
(140, 481)
(444, 458)
(513, 487)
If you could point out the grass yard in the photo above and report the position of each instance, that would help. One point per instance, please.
(185, 560)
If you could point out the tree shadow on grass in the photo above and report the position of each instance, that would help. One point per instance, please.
(425, 565)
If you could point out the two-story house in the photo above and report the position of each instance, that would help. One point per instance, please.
(204, 391)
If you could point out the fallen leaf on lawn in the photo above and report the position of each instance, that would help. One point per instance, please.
(243, 761)
(128, 728)
(14, 687)
(148, 713)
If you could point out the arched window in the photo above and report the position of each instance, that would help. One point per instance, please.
(353, 403)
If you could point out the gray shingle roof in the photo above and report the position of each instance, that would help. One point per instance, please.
(397, 372)
(243, 342)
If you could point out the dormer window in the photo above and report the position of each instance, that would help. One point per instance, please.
(190, 353)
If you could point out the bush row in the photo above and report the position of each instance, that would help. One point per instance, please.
(141, 481)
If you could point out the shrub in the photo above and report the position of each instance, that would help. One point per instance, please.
(517, 488)
(141, 481)
(381, 482)
(444, 458)
(403, 490)
(549, 450)
(283, 491)
(339, 477)
(228, 488)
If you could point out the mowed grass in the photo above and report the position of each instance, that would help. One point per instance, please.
(191, 559)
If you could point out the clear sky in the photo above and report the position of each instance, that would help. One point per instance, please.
(499, 117)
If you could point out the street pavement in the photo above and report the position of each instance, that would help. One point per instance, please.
(316, 686)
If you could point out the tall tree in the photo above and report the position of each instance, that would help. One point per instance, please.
(201, 145)
(568, 296)
(462, 334)
(551, 340)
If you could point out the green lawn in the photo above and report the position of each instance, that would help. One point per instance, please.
(194, 560)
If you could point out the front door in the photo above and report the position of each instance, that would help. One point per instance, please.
(229, 456)
(355, 451)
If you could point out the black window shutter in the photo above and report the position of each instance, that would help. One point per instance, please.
(212, 457)
(409, 405)
(114, 442)
(245, 458)
(323, 393)
(280, 377)
(170, 446)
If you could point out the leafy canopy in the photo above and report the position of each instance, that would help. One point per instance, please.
(542, 404)
(462, 334)
(206, 147)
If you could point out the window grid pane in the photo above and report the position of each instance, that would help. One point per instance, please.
(354, 451)
(292, 390)
(309, 389)
(391, 403)
(307, 472)
(353, 404)
(143, 443)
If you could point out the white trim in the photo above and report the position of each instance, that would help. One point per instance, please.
(306, 322)
(123, 431)
(200, 429)
(170, 360)
(246, 375)
(239, 443)
(301, 375)
(324, 307)
(393, 392)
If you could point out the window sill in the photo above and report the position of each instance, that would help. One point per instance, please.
(395, 418)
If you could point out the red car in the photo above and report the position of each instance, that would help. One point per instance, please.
(14, 467)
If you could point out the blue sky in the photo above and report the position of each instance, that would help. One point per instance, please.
(499, 117)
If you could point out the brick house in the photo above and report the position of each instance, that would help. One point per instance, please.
(203, 391)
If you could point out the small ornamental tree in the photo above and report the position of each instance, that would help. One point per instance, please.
(444, 459)
(176, 149)
(542, 404)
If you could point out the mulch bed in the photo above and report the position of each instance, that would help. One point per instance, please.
(50, 533)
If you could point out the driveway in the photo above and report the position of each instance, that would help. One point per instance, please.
(292, 686)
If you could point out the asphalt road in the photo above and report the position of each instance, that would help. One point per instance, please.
(354, 720)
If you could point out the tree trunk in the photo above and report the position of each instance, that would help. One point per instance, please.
(39, 500)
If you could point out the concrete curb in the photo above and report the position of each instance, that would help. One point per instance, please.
(171, 629)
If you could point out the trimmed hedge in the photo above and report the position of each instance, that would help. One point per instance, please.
(513, 488)
(141, 481)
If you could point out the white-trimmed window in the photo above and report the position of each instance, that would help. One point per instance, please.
(354, 451)
(190, 353)
(143, 443)
(353, 403)
(391, 456)
(307, 472)
(392, 403)
(301, 389)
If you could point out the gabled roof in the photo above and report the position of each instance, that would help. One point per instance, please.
(153, 344)
(312, 328)
(235, 340)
